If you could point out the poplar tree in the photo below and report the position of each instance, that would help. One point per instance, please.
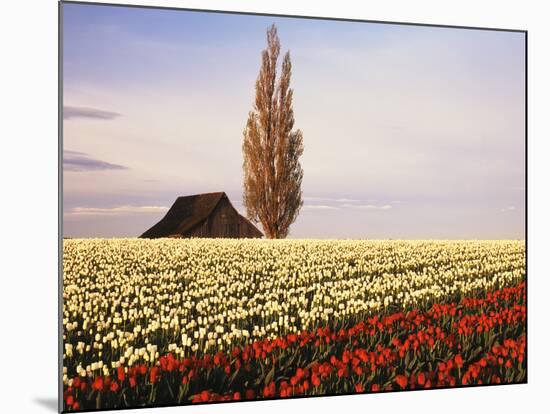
(271, 148)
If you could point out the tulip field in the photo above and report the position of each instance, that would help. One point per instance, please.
(178, 321)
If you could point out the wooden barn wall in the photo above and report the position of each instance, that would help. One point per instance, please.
(248, 229)
(224, 221)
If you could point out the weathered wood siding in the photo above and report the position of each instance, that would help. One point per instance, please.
(203, 215)
(224, 221)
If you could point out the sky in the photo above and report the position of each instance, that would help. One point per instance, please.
(410, 132)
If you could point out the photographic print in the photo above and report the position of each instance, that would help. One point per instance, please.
(261, 207)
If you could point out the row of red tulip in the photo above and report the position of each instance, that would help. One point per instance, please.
(475, 341)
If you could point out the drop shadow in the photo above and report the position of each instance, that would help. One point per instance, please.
(49, 403)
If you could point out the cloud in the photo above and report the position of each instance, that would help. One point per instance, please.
(346, 206)
(72, 112)
(368, 206)
(332, 200)
(79, 161)
(315, 198)
(509, 208)
(115, 211)
(341, 203)
(346, 200)
(318, 207)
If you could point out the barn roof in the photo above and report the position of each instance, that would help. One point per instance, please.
(185, 213)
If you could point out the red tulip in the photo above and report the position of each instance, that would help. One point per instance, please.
(98, 384)
(153, 375)
(421, 379)
(315, 380)
(401, 380)
(120, 373)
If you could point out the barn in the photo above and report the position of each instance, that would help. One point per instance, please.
(203, 215)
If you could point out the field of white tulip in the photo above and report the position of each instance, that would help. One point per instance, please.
(128, 301)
